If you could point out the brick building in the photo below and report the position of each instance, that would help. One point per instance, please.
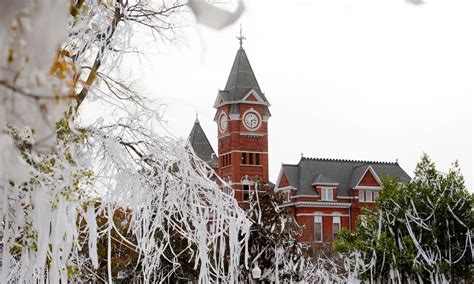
(325, 195)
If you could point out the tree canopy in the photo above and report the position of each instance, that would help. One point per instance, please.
(421, 231)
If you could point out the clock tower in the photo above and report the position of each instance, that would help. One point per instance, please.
(242, 129)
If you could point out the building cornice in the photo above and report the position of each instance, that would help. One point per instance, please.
(241, 102)
(241, 151)
(365, 187)
(332, 184)
(317, 204)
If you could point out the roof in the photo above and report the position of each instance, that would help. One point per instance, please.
(201, 146)
(271, 185)
(240, 82)
(320, 178)
(241, 78)
(344, 172)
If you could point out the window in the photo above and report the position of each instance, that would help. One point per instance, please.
(251, 159)
(318, 228)
(245, 192)
(226, 160)
(287, 195)
(326, 193)
(336, 226)
(368, 196)
(245, 189)
(361, 196)
(376, 195)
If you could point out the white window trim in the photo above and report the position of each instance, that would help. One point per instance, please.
(368, 188)
(287, 195)
(334, 218)
(324, 193)
(361, 194)
(367, 194)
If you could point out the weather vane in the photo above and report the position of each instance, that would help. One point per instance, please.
(241, 38)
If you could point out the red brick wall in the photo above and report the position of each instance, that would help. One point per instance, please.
(283, 181)
(231, 141)
(303, 217)
(251, 98)
(368, 180)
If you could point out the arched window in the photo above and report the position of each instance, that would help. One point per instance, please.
(245, 189)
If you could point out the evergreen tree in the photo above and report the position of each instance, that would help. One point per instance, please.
(420, 231)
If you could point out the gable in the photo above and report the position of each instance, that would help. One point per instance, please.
(283, 181)
(251, 98)
(368, 179)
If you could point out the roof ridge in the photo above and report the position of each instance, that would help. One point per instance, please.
(348, 161)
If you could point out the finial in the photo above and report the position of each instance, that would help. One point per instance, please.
(396, 160)
(302, 155)
(197, 118)
(241, 38)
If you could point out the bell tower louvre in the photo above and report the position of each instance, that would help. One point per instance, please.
(242, 113)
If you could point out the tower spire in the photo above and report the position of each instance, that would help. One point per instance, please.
(241, 38)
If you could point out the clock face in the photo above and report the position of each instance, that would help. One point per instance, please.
(223, 122)
(251, 120)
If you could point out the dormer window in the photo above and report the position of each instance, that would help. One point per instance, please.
(327, 194)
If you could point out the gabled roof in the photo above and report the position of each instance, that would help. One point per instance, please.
(291, 172)
(359, 172)
(201, 146)
(344, 172)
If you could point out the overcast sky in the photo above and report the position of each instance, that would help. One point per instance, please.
(353, 79)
